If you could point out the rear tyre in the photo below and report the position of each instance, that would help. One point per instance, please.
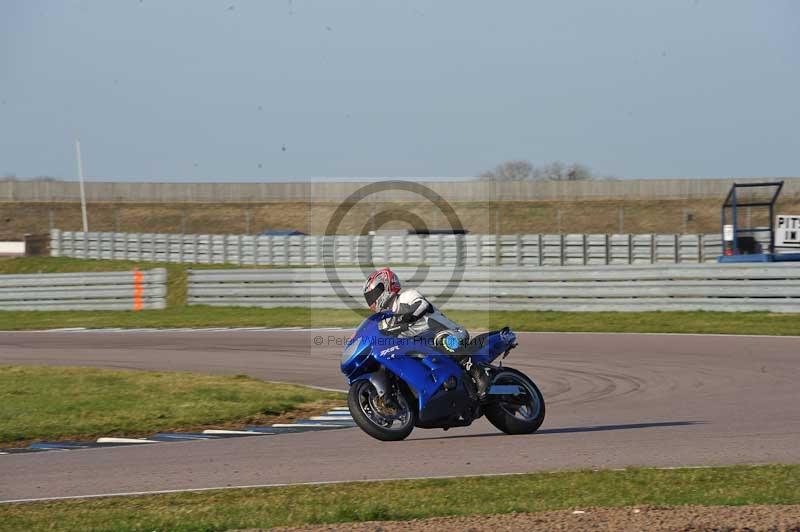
(384, 420)
(516, 414)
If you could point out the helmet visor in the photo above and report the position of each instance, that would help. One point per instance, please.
(372, 295)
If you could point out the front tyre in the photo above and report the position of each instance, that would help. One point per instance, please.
(516, 414)
(385, 419)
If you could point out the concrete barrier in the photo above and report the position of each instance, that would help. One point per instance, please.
(769, 287)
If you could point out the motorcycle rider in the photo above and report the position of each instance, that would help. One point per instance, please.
(415, 317)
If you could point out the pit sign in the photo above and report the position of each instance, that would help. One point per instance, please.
(787, 231)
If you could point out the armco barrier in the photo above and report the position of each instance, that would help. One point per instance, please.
(136, 290)
(433, 250)
(728, 287)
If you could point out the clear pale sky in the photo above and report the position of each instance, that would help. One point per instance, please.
(188, 90)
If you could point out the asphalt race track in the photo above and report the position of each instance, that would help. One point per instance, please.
(613, 401)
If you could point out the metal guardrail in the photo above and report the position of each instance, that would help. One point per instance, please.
(433, 250)
(136, 290)
(726, 287)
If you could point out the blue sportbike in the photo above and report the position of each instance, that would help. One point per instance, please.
(434, 381)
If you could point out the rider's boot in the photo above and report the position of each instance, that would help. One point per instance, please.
(479, 374)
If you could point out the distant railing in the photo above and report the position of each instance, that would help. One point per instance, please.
(767, 287)
(132, 290)
(433, 250)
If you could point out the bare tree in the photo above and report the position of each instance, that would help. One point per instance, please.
(520, 170)
(517, 170)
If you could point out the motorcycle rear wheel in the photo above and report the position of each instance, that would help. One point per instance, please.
(373, 417)
(512, 414)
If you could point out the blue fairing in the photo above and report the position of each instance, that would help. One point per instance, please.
(417, 362)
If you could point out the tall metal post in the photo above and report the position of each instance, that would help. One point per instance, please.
(83, 190)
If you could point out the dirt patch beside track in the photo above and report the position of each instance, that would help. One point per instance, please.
(651, 518)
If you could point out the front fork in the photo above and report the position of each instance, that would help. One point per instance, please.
(380, 381)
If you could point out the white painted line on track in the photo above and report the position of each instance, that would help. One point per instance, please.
(125, 440)
(328, 418)
(303, 425)
(182, 329)
(318, 483)
(222, 431)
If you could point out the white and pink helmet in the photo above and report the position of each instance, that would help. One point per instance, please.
(380, 287)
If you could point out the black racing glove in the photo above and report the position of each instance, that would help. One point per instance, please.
(407, 318)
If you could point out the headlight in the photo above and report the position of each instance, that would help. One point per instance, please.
(352, 348)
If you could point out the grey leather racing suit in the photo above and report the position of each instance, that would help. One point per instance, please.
(420, 318)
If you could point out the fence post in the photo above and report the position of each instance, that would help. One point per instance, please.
(653, 254)
(630, 248)
(404, 249)
(700, 250)
(55, 243)
(85, 247)
(239, 250)
(540, 249)
(677, 250)
(168, 248)
(286, 250)
(519, 249)
(563, 247)
(126, 246)
(608, 249)
(585, 250)
(139, 246)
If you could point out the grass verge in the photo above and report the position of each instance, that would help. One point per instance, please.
(60, 403)
(756, 323)
(403, 500)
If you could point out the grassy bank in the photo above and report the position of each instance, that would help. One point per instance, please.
(404, 500)
(56, 403)
(487, 217)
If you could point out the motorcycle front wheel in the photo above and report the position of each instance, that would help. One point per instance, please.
(383, 418)
(519, 413)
